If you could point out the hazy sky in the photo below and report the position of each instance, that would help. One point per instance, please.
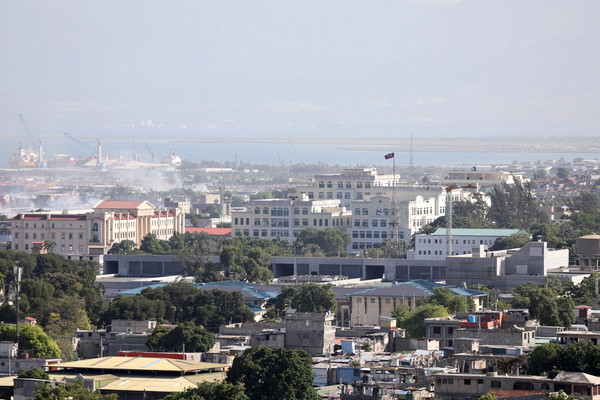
(294, 68)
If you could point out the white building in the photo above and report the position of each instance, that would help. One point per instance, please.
(352, 184)
(416, 207)
(85, 235)
(482, 178)
(433, 246)
(284, 218)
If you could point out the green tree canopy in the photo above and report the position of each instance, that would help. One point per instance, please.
(514, 241)
(306, 297)
(332, 242)
(185, 335)
(71, 390)
(32, 339)
(123, 247)
(274, 374)
(515, 206)
(211, 391)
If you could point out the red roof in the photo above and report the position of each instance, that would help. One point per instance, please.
(124, 216)
(508, 394)
(119, 204)
(583, 307)
(210, 231)
(158, 214)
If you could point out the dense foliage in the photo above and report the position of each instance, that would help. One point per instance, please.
(70, 390)
(182, 302)
(307, 297)
(185, 337)
(211, 391)
(552, 302)
(553, 357)
(274, 374)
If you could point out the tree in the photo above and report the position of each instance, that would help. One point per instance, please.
(415, 323)
(33, 373)
(274, 374)
(123, 247)
(515, 206)
(32, 340)
(333, 242)
(514, 241)
(71, 390)
(488, 396)
(563, 172)
(544, 358)
(151, 244)
(185, 335)
(401, 313)
(211, 391)
(307, 297)
(445, 297)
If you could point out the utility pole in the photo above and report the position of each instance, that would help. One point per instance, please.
(18, 271)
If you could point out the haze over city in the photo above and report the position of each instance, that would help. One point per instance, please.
(300, 69)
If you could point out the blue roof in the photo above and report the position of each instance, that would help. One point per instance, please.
(249, 290)
(410, 288)
(138, 290)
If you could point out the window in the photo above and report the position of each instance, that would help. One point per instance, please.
(496, 384)
(467, 381)
(372, 301)
(305, 336)
(436, 330)
(16, 235)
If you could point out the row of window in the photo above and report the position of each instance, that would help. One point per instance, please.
(52, 225)
(369, 234)
(342, 185)
(42, 235)
(374, 223)
(455, 241)
(62, 248)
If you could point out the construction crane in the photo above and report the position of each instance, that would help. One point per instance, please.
(80, 142)
(150, 152)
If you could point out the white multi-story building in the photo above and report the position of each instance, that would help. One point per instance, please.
(85, 235)
(372, 220)
(352, 184)
(433, 246)
(284, 218)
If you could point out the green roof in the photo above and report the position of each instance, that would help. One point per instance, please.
(478, 232)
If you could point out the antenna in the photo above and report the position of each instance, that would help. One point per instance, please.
(449, 219)
(394, 223)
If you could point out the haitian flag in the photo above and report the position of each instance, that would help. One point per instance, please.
(389, 155)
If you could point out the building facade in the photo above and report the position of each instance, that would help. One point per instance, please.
(90, 234)
(433, 246)
(284, 218)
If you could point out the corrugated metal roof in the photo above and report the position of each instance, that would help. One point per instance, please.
(140, 364)
(164, 385)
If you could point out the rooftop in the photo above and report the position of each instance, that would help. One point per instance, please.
(478, 232)
(140, 364)
(120, 204)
